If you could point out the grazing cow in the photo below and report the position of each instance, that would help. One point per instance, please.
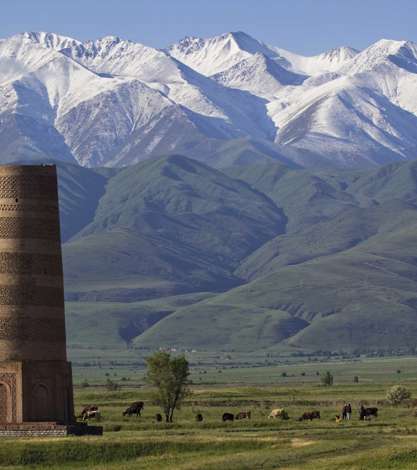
(90, 411)
(134, 409)
(158, 417)
(367, 413)
(278, 413)
(309, 415)
(243, 415)
(199, 417)
(228, 417)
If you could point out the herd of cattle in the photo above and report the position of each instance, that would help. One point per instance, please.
(136, 408)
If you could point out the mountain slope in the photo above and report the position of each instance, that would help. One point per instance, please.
(259, 75)
(341, 278)
(80, 190)
(167, 226)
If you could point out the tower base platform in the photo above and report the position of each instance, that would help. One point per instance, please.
(48, 429)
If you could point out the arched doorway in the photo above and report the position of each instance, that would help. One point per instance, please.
(5, 403)
(40, 403)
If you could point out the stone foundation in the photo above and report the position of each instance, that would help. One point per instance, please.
(36, 391)
(45, 429)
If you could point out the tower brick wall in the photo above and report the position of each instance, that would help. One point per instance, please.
(35, 377)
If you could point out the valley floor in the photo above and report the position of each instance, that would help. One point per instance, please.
(387, 442)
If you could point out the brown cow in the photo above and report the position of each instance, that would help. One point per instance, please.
(243, 415)
(90, 411)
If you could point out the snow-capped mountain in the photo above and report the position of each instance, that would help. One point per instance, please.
(114, 102)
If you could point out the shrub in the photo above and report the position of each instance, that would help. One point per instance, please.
(397, 394)
(284, 415)
(327, 379)
(112, 386)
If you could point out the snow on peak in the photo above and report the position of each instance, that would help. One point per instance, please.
(385, 52)
(327, 62)
(188, 45)
(49, 40)
(338, 54)
(259, 75)
(217, 54)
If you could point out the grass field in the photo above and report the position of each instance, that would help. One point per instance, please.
(388, 442)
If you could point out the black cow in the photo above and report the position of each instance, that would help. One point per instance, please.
(158, 417)
(309, 415)
(199, 417)
(228, 417)
(134, 409)
(367, 413)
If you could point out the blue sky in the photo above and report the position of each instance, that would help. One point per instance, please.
(304, 26)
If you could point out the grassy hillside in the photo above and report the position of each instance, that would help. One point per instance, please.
(80, 190)
(344, 272)
(165, 227)
(294, 259)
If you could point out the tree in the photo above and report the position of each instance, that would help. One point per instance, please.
(85, 384)
(327, 379)
(397, 394)
(112, 386)
(169, 376)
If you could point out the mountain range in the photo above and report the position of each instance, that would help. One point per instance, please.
(225, 100)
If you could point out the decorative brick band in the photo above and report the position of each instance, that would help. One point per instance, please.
(30, 263)
(25, 206)
(26, 186)
(32, 329)
(28, 294)
(22, 227)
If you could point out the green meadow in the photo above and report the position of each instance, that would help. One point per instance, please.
(387, 442)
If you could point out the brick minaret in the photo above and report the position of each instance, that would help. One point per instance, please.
(35, 377)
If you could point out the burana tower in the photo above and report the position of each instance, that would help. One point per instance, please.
(35, 377)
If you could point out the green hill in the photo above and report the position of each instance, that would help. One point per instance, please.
(80, 190)
(172, 253)
(164, 227)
